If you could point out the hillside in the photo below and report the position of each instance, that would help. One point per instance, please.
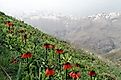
(29, 54)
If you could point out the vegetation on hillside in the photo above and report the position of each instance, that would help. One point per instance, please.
(29, 54)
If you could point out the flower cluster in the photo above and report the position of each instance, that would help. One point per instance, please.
(49, 46)
(75, 75)
(9, 24)
(49, 72)
(26, 55)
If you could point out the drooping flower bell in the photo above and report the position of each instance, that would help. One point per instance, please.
(59, 51)
(48, 46)
(9, 24)
(49, 72)
(92, 73)
(26, 55)
(75, 75)
(52, 46)
(67, 66)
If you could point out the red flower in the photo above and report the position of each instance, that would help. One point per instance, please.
(59, 51)
(75, 75)
(9, 24)
(92, 73)
(52, 46)
(26, 55)
(47, 46)
(49, 72)
(67, 66)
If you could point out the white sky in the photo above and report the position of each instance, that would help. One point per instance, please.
(74, 7)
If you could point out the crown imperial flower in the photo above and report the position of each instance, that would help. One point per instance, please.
(26, 55)
(75, 75)
(59, 51)
(48, 46)
(92, 73)
(49, 72)
(67, 66)
(9, 24)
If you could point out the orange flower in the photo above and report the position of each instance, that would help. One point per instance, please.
(9, 24)
(67, 66)
(48, 46)
(59, 51)
(26, 55)
(92, 73)
(75, 75)
(52, 46)
(49, 72)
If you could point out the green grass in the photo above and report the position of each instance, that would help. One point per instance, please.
(12, 46)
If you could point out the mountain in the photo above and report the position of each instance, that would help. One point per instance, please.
(27, 53)
(98, 33)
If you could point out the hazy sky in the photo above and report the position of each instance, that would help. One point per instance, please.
(74, 7)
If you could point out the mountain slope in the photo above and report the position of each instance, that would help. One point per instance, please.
(99, 33)
(18, 38)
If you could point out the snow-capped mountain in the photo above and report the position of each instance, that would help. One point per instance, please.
(99, 33)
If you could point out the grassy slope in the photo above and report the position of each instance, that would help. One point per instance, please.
(15, 46)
